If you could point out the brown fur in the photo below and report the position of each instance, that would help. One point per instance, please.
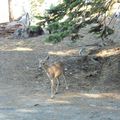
(54, 71)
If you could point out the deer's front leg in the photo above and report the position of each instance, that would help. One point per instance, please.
(58, 83)
(52, 89)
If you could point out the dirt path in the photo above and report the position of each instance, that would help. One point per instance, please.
(25, 92)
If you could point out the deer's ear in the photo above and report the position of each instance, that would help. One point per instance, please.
(47, 58)
(39, 62)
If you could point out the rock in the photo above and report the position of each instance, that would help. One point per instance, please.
(13, 26)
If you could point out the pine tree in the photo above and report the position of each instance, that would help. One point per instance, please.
(71, 15)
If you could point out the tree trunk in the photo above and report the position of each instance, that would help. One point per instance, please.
(10, 10)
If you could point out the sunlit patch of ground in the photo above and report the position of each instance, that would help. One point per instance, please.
(109, 52)
(64, 52)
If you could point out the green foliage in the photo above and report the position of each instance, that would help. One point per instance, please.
(53, 27)
(54, 38)
(76, 12)
(33, 28)
(59, 29)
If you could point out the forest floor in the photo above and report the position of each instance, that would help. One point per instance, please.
(93, 77)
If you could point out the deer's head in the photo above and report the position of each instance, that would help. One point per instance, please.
(43, 62)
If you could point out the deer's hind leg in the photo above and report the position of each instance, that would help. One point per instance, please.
(57, 86)
(66, 85)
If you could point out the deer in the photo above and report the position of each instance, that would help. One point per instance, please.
(53, 71)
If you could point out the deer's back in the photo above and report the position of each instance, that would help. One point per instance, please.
(55, 70)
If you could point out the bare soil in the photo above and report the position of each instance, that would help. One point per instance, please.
(93, 78)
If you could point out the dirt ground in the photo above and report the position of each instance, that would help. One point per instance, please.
(93, 78)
